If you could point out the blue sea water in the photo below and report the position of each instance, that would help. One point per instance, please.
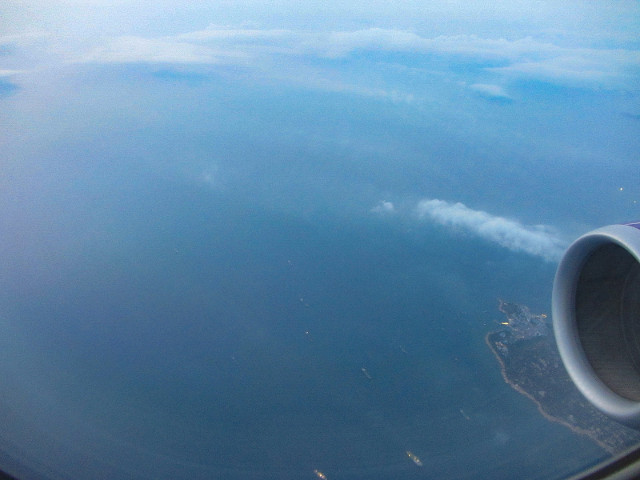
(200, 334)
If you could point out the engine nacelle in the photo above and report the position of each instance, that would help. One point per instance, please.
(596, 319)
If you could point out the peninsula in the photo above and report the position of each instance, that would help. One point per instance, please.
(530, 363)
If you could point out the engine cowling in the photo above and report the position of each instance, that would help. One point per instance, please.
(596, 319)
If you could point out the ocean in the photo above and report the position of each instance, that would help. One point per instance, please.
(199, 335)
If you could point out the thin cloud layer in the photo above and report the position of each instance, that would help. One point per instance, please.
(580, 67)
(535, 240)
(384, 207)
(490, 91)
(9, 73)
(523, 57)
(159, 50)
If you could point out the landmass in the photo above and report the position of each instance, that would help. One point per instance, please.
(531, 365)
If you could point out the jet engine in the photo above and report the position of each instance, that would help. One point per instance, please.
(596, 319)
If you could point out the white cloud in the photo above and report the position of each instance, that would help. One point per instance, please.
(334, 44)
(523, 57)
(25, 38)
(224, 33)
(490, 91)
(331, 85)
(582, 67)
(467, 45)
(10, 73)
(535, 240)
(159, 50)
(384, 207)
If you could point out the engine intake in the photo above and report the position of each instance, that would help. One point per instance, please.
(596, 319)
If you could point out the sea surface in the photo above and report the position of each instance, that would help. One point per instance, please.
(198, 334)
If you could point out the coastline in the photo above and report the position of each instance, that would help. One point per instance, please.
(545, 414)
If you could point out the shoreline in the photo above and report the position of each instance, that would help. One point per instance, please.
(519, 389)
